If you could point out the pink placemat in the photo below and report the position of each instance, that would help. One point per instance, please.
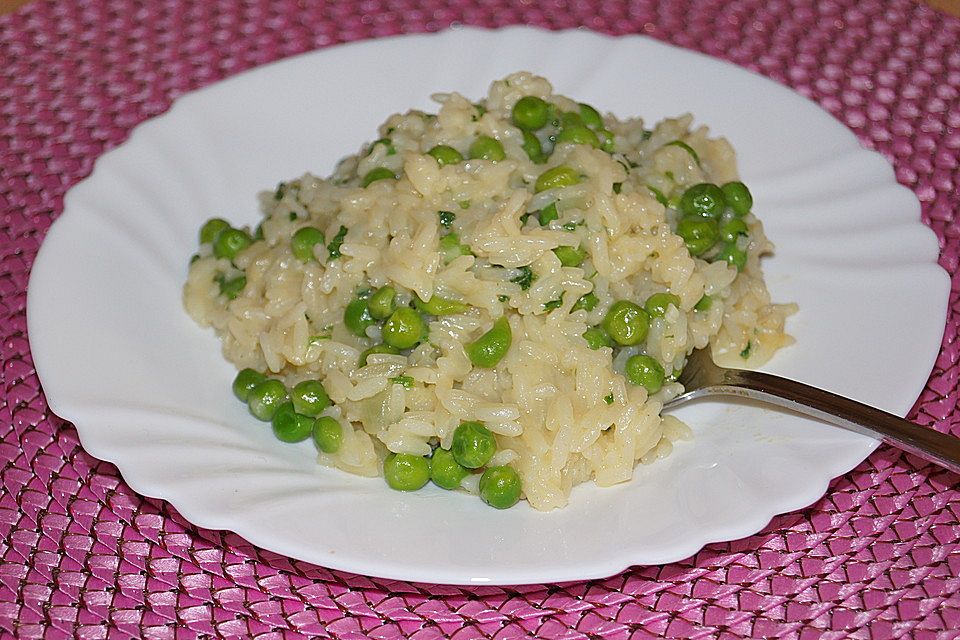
(82, 555)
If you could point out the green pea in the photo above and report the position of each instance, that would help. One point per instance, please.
(229, 242)
(500, 487)
(405, 471)
(404, 328)
(377, 348)
(570, 256)
(290, 426)
(703, 304)
(533, 148)
(587, 302)
(451, 248)
(548, 214)
(590, 116)
(489, 349)
(560, 176)
(380, 173)
(357, 317)
(732, 229)
(570, 119)
(627, 323)
(327, 434)
(445, 154)
(445, 471)
(309, 398)
(579, 135)
(530, 113)
(699, 234)
(246, 380)
(303, 242)
(607, 142)
(437, 306)
(656, 305)
(597, 337)
(737, 197)
(264, 398)
(704, 199)
(231, 288)
(382, 303)
(644, 371)
(211, 228)
(732, 255)
(487, 148)
(473, 445)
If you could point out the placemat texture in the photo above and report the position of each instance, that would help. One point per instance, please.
(83, 555)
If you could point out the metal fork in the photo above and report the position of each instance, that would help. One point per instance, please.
(701, 377)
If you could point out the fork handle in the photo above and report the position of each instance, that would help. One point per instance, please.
(929, 444)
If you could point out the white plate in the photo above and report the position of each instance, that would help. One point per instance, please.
(149, 391)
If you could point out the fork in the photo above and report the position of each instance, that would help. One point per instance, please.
(701, 377)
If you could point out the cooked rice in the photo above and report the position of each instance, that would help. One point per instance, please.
(549, 400)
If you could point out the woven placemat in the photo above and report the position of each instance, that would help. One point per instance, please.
(82, 555)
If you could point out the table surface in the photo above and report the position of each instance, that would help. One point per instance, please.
(81, 554)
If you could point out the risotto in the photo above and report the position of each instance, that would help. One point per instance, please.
(496, 298)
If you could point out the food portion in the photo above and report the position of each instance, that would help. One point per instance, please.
(496, 298)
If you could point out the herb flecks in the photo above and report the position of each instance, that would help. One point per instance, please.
(446, 218)
(553, 304)
(405, 381)
(683, 145)
(335, 244)
(525, 278)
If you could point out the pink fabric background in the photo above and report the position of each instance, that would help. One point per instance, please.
(82, 555)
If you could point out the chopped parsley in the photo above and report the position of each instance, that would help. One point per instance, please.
(553, 304)
(464, 204)
(387, 142)
(683, 145)
(525, 277)
(608, 398)
(746, 350)
(617, 187)
(293, 216)
(446, 218)
(662, 199)
(406, 381)
(334, 246)
(281, 189)
(503, 298)
(587, 302)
